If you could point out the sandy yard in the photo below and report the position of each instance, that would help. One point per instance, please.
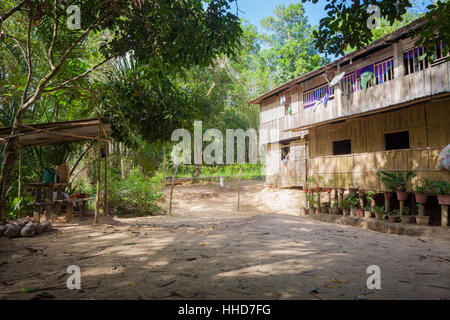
(207, 250)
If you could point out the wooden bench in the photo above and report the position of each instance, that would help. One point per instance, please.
(68, 204)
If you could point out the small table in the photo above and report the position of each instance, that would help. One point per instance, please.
(47, 201)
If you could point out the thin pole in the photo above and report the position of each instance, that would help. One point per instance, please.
(97, 198)
(19, 192)
(106, 205)
(239, 191)
(171, 188)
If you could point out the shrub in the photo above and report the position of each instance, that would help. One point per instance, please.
(396, 181)
(137, 194)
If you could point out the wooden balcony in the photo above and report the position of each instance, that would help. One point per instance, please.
(392, 94)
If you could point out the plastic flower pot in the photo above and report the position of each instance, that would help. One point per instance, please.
(393, 218)
(407, 219)
(402, 196)
(388, 196)
(379, 215)
(421, 198)
(329, 190)
(360, 213)
(422, 220)
(444, 199)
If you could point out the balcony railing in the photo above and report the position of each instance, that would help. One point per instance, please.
(310, 97)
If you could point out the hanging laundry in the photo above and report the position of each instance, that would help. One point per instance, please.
(365, 78)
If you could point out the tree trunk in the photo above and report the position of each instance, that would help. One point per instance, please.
(9, 159)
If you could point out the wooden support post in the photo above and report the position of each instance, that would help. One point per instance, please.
(444, 216)
(239, 191)
(19, 191)
(69, 212)
(99, 174)
(49, 207)
(106, 205)
(336, 197)
(37, 208)
(387, 204)
(341, 195)
(174, 175)
(319, 204)
(402, 207)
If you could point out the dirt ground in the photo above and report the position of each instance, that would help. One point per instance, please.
(207, 250)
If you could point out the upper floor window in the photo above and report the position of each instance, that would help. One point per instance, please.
(321, 93)
(396, 140)
(414, 59)
(368, 76)
(287, 103)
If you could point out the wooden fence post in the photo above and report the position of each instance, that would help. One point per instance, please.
(171, 188)
(239, 191)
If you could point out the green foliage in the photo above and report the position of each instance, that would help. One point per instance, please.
(379, 209)
(345, 25)
(311, 198)
(290, 52)
(425, 186)
(369, 195)
(442, 187)
(15, 208)
(137, 194)
(353, 200)
(249, 171)
(396, 181)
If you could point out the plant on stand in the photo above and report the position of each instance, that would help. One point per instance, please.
(345, 205)
(393, 216)
(370, 199)
(326, 207)
(443, 190)
(397, 182)
(379, 212)
(422, 190)
(353, 200)
(421, 218)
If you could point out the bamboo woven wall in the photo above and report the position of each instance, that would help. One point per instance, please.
(287, 173)
(429, 128)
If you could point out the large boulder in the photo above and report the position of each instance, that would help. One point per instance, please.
(12, 230)
(28, 230)
(46, 225)
(2, 230)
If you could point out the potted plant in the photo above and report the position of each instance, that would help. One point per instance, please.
(379, 212)
(421, 218)
(329, 185)
(393, 216)
(303, 210)
(405, 217)
(345, 205)
(353, 200)
(425, 186)
(397, 182)
(443, 190)
(325, 207)
(335, 209)
(311, 201)
(367, 212)
(352, 187)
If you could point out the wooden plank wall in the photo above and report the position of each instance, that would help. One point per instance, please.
(429, 127)
(288, 173)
